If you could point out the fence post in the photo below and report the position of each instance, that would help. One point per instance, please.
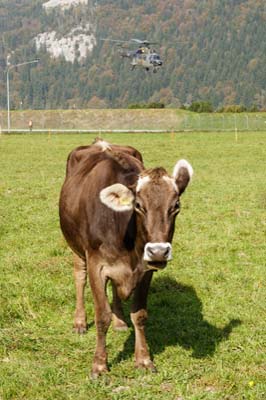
(236, 136)
(247, 122)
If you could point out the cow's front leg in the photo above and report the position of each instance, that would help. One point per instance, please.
(119, 323)
(103, 316)
(138, 317)
(80, 276)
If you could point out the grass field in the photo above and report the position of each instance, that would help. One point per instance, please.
(207, 312)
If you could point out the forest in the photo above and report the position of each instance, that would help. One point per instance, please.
(213, 51)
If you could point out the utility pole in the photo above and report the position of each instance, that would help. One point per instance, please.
(9, 67)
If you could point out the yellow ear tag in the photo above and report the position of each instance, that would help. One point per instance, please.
(125, 201)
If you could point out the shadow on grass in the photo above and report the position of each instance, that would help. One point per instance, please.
(175, 318)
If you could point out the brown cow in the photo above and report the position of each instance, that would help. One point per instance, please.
(118, 218)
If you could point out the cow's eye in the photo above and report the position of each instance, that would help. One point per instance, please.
(175, 208)
(139, 208)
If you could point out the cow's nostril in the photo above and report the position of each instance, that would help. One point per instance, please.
(166, 253)
(151, 252)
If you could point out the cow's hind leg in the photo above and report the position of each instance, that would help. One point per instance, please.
(119, 323)
(80, 275)
(138, 317)
(103, 314)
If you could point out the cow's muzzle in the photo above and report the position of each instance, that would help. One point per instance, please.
(157, 252)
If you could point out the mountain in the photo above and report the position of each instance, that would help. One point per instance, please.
(213, 50)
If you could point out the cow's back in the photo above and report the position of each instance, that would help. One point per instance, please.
(82, 153)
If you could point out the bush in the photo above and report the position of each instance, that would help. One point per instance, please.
(201, 106)
(147, 105)
(253, 108)
(155, 105)
(233, 108)
(133, 106)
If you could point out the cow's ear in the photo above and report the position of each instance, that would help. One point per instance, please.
(182, 174)
(117, 197)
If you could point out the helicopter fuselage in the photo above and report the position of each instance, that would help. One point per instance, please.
(144, 58)
(151, 60)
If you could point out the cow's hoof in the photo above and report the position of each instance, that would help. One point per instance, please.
(153, 369)
(97, 371)
(146, 364)
(119, 324)
(94, 375)
(80, 328)
(120, 328)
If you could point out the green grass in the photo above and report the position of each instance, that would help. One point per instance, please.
(207, 314)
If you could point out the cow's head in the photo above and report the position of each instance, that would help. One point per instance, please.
(156, 201)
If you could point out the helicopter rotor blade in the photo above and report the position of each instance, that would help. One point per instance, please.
(144, 42)
(137, 40)
(114, 40)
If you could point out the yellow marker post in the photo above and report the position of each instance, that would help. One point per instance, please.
(172, 136)
(236, 133)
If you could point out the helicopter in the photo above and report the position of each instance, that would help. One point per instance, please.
(143, 56)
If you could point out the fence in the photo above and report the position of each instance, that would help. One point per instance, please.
(179, 122)
(224, 122)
